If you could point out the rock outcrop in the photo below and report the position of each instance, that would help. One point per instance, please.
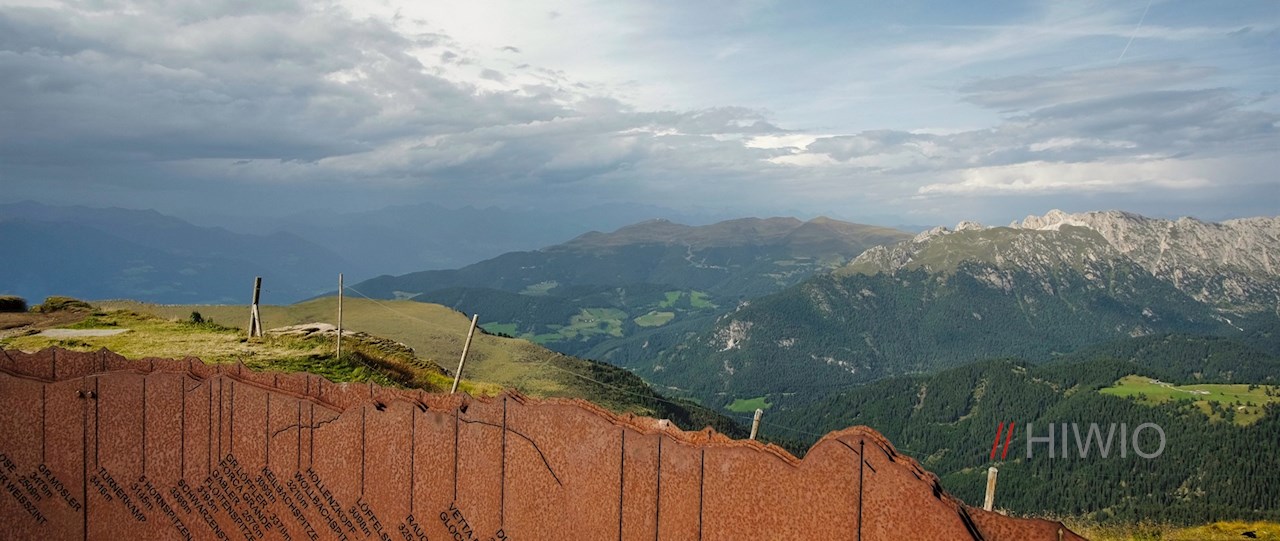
(1233, 264)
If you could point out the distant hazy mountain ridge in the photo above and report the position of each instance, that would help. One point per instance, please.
(818, 235)
(98, 253)
(744, 257)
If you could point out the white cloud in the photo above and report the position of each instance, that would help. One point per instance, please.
(1064, 143)
(1033, 178)
(804, 159)
(782, 140)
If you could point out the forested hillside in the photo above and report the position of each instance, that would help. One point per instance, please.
(1210, 468)
(841, 330)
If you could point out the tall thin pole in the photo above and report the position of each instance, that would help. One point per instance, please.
(340, 315)
(467, 346)
(755, 423)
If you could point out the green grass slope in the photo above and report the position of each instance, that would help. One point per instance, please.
(436, 335)
(137, 334)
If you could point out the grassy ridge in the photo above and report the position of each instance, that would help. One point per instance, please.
(437, 334)
(146, 335)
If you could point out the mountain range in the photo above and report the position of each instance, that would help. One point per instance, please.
(1046, 287)
(738, 258)
(640, 284)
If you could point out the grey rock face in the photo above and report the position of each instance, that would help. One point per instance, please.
(1232, 265)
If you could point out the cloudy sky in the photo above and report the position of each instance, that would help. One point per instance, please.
(916, 112)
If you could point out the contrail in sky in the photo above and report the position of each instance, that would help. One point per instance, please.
(1135, 31)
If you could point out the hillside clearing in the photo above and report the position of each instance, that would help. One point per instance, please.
(655, 319)
(749, 405)
(1246, 401)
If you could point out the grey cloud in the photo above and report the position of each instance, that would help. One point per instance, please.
(1162, 121)
(1027, 92)
(300, 93)
(252, 87)
(26, 29)
(1078, 118)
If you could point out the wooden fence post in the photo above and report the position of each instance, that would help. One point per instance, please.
(339, 356)
(990, 501)
(465, 347)
(255, 317)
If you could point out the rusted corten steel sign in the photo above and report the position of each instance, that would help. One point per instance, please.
(95, 446)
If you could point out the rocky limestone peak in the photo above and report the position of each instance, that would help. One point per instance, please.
(1247, 244)
(1052, 220)
(1038, 252)
(1233, 264)
(935, 232)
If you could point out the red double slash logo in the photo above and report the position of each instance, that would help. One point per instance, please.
(1007, 437)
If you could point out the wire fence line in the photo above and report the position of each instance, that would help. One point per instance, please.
(359, 358)
(388, 308)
